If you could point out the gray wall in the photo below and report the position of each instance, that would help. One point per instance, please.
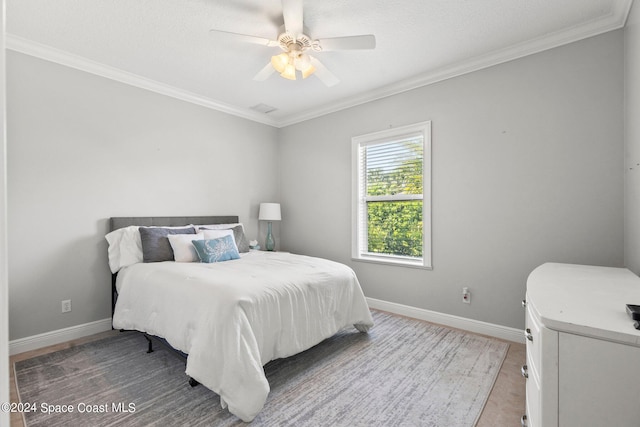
(632, 140)
(527, 168)
(82, 148)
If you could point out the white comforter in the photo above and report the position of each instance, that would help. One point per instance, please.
(233, 317)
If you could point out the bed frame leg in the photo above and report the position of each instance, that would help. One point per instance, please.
(150, 349)
(193, 382)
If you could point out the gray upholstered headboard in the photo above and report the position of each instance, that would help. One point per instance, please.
(169, 221)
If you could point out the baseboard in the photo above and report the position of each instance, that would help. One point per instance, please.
(476, 326)
(56, 337)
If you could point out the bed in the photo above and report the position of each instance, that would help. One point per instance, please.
(229, 317)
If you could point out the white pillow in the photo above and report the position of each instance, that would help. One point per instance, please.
(216, 234)
(125, 247)
(183, 249)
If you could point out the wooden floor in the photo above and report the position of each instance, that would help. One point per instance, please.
(505, 406)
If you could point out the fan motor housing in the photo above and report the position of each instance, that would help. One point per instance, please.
(288, 42)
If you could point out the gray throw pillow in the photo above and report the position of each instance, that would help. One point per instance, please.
(155, 244)
(241, 240)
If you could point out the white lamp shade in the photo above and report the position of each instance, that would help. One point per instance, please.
(269, 212)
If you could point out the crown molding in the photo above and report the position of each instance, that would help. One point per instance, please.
(67, 59)
(616, 19)
(613, 21)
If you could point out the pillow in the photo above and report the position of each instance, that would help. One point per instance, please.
(217, 226)
(238, 234)
(215, 234)
(125, 247)
(155, 244)
(216, 250)
(183, 250)
(240, 238)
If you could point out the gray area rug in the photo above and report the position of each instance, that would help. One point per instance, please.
(404, 372)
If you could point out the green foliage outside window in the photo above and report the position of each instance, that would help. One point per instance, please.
(395, 228)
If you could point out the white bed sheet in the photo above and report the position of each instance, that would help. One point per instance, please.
(233, 317)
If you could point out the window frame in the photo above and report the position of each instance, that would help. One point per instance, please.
(359, 232)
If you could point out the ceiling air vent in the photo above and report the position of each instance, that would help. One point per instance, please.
(263, 108)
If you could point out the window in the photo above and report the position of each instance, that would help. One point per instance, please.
(392, 196)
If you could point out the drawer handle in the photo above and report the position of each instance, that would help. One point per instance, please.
(524, 371)
(527, 334)
(523, 421)
(524, 303)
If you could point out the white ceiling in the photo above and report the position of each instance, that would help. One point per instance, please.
(165, 45)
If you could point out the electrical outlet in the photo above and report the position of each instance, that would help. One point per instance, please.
(466, 296)
(66, 306)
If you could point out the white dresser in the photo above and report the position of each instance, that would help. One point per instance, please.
(583, 353)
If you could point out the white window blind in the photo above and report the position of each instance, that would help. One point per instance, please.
(392, 191)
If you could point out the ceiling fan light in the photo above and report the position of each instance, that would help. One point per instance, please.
(308, 71)
(280, 62)
(289, 72)
(302, 62)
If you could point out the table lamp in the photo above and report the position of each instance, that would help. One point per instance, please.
(269, 212)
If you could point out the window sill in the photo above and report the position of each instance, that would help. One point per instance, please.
(393, 262)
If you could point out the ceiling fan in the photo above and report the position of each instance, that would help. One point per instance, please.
(296, 44)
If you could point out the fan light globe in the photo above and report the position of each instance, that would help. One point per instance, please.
(289, 72)
(302, 61)
(308, 71)
(279, 62)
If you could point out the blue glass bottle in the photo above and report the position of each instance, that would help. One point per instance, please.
(270, 243)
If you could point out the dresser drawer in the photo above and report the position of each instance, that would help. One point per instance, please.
(533, 401)
(542, 370)
(533, 337)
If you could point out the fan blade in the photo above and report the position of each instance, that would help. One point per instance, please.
(292, 13)
(246, 38)
(265, 73)
(346, 43)
(325, 76)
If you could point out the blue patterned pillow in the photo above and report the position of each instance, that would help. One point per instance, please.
(216, 250)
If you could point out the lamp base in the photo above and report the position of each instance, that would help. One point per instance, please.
(270, 242)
